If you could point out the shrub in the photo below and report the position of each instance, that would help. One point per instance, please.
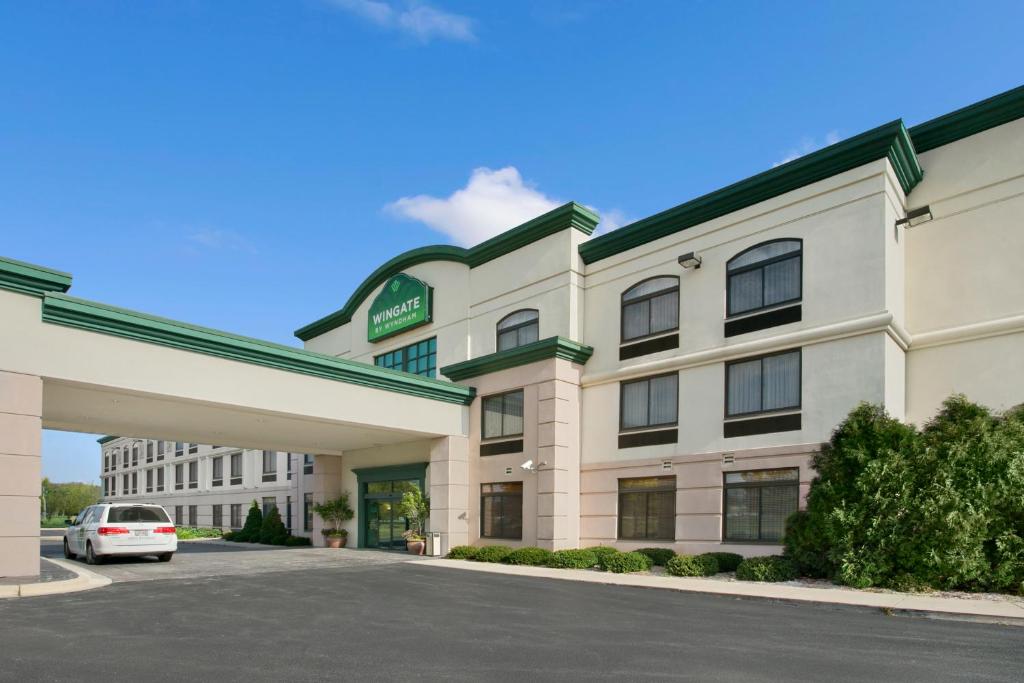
(601, 550)
(727, 562)
(492, 553)
(273, 531)
(625, 563)
(692, 565)
(189, 532)
(660, 556)
(528, 556)
(766, 568)
(462, 552)
(572, 559)
(250, 532)
(294, 541)
(230, 536)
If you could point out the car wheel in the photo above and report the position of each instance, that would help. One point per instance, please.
(165, 557)
(90, 556)
(68, 555)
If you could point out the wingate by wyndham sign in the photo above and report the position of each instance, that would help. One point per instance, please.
(404, 303)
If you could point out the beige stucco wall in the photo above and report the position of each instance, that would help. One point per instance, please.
(21, 404)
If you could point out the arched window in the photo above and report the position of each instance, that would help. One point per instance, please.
(518, 328)
(764, 276)
(650, 307)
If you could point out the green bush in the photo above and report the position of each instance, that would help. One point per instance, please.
(572, 559)
(230, 536)
(273, 531)
(492, 553)
(601, 550)
(766, 568)
(660, 556)
(189, 532)
(938, 507)
(528, 556)
(692, 565)
(462, 552)
(297, 541)
(625, 563)
(250, 532)
(727, 562)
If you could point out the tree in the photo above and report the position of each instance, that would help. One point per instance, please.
(66, 500)
(335, 512)
(273, 530)
(415, 508)
(253, 525)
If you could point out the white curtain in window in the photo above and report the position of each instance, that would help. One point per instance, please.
(764, 252)
(513, 422)
(492, 416)
(517, 318)
(744, 388)
(634, 405)
(782, 281)
(745, 291)
(650, 287)
(665, 312)
(636, 319)
(663, 408)
(781, 381)
(528, 334)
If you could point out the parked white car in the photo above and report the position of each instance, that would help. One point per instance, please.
(120, 530)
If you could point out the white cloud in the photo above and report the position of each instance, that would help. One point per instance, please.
(808, 145)
(221, 239)
(491, 202)
(419, 20)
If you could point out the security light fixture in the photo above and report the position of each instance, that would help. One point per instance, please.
(528, 466)
(915, 217)
(690, 260)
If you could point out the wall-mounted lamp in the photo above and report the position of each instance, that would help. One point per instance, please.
(529, 466)
(915, 217)
(690, 260)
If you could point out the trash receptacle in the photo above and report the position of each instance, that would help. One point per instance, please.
(434, 544)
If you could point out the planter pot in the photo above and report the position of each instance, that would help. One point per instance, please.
(416, 547)
(335, 541)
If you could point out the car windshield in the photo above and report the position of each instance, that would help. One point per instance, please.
(137, 513)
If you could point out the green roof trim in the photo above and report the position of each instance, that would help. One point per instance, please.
(975, 118)
(28, 278)
(61, 309)
(106, 439)
(890, 141)
(552, 347)
(571, 215)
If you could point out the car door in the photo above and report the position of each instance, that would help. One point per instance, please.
(72, 532)
(81, 523)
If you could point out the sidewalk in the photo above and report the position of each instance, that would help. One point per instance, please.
(1001, 611)
(55, 576)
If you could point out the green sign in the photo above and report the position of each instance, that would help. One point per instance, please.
(404, 303)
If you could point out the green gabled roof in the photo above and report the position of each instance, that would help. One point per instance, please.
(975, 118)
(571, 215)
(28, 278)
(890, 141)
(552, 347)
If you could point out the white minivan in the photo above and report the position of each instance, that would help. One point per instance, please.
(121, 530)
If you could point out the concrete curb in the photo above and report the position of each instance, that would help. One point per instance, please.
(83, 581)
(889, 603)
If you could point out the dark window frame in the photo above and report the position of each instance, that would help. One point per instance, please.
(646, 297)
(673, 489)
(795, 483)
(483, 416)
(502, 495)
(431, 371)
(307, 511)
(760, 265)
(498, 331)
(622, 404)
(215, 478)
(774, 411)
(307, 463)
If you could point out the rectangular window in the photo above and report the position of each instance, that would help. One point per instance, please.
(149, 481)
(124, 485)
(419, 358)
(217, 515)
(192, 515)
(159, 450)
(218, 471)
(288, 467)
(236, 469)
(179, 449)
(193, 448)
(124, 457)
(762, 385)
(288, 513)
(179, 514)
(307, 464)
(650, 402)
(501, 510)
(149, 451)
(269, 466)
(757, 504)
(160, 479)
(307, 512)
(135, 455)
(135, 483)
(647, 508)
(269, 503)
(503, 415)
(193, 474)
(179, 477)
(236, 515)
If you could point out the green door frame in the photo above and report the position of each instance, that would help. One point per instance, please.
(365, 475)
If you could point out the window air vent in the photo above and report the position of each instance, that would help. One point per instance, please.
(727, 458)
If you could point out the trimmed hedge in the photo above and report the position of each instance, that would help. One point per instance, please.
(766, 568)
(625, 563)
(529, 555)
(572, 559)
(462, 552)
(492, 553)
(602, 550)
(692, 565)
(727, 562)
(660, 556)
(297, 541)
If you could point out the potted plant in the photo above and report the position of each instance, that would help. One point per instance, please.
(415, 508)
(335, 512)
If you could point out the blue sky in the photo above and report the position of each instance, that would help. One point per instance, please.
(244, 165)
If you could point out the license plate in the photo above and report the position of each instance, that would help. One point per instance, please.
(141, 532)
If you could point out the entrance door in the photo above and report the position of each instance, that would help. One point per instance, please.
(384, 524)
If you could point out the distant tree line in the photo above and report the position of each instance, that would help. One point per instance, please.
(65, 500)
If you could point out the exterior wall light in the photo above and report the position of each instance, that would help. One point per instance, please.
(690, 260)
(915, 217)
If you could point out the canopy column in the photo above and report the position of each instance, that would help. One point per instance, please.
(21, 408)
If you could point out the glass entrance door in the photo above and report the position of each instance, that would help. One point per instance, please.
(384, 523)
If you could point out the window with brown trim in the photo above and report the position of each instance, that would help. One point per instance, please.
(502, 415)
(501, 510)
(758, 502)
(647, 508)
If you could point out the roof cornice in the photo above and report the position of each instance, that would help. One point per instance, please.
(106, 439)
(890, 141)
(571, 215)
(975, 118)
(27, 278)
(552, 347)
